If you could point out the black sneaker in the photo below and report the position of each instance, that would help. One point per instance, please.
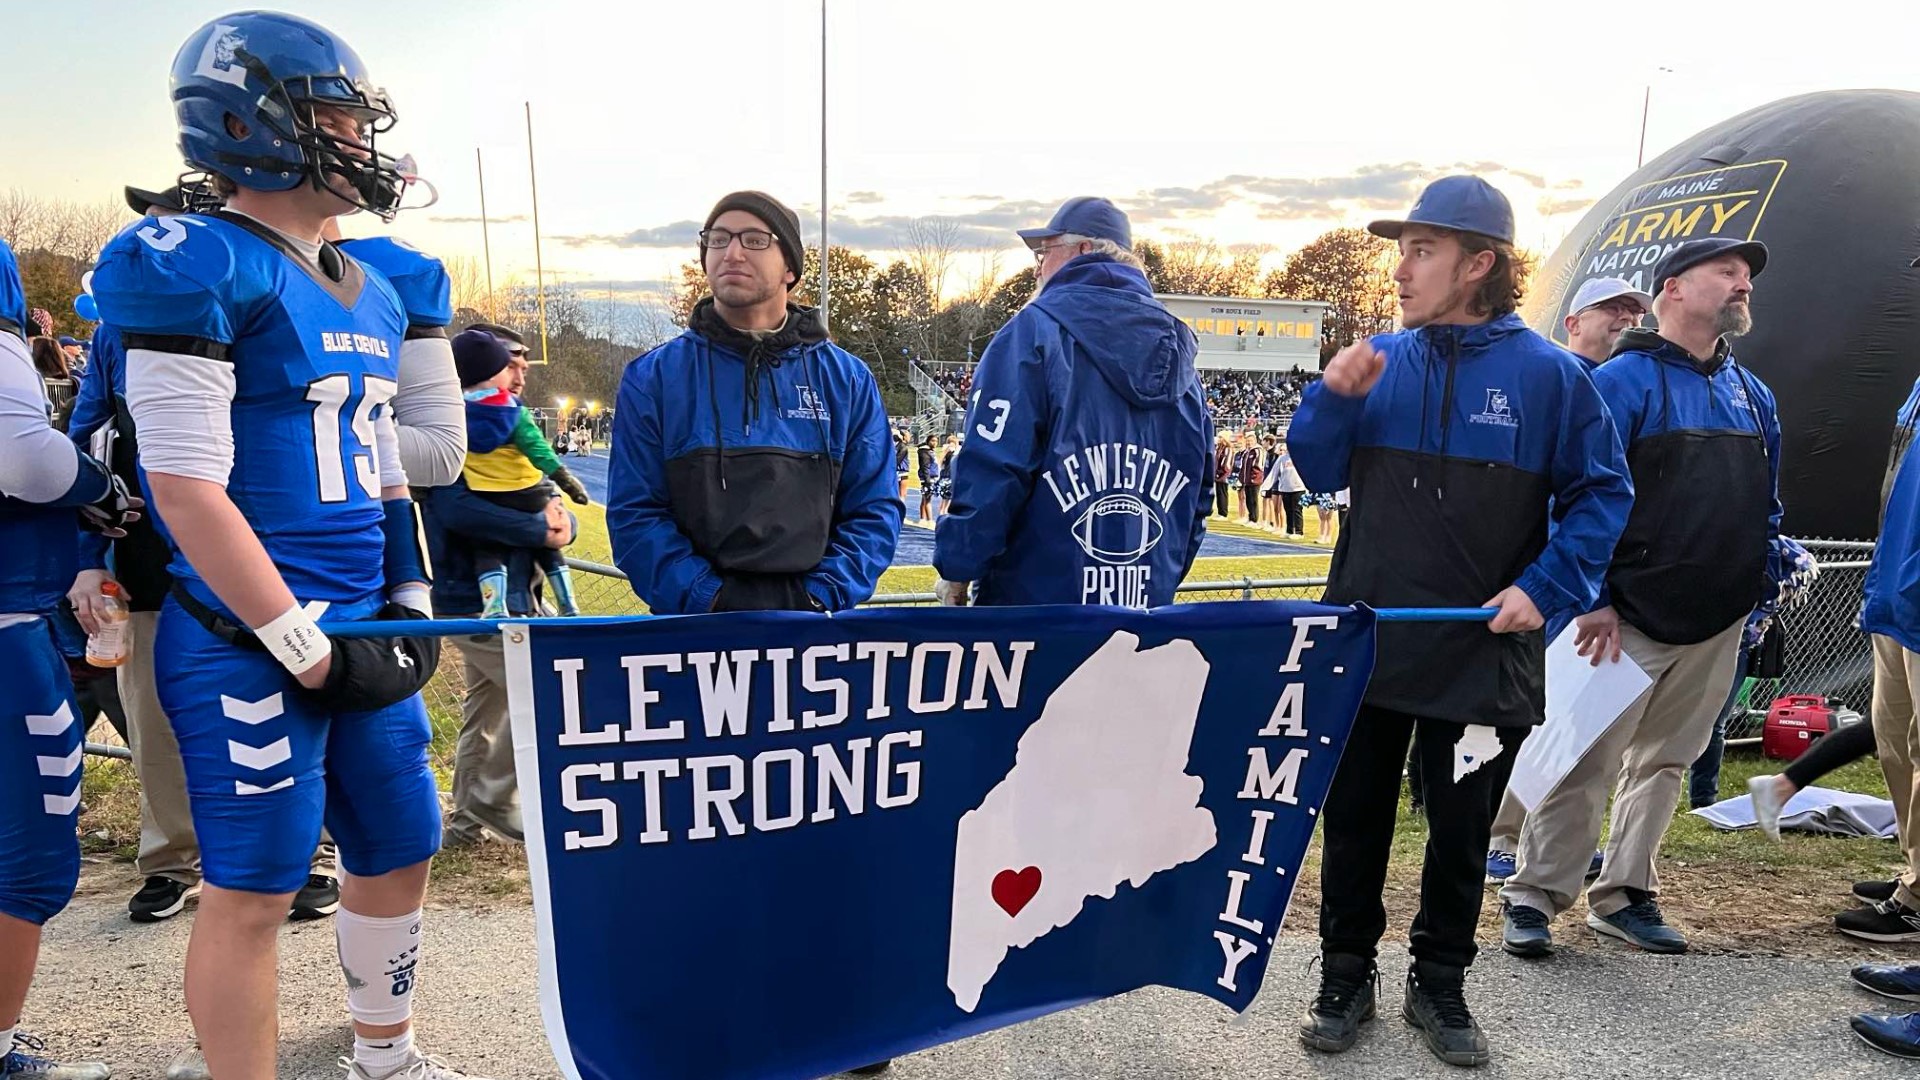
(1875, 892)
(1525, 931)
(317, 899)
(1348, 986)
(1888, 920)
(1437, 1005)
(160, 898)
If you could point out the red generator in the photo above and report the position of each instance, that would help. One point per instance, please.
(1793, 723)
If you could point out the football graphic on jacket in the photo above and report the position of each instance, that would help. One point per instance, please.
(1118, 529)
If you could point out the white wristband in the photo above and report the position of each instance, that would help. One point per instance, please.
(295, 640)
(413, 595)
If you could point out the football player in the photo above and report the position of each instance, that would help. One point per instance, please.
(45, 485)
(261, 366)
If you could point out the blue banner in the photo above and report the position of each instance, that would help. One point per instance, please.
(784, 845)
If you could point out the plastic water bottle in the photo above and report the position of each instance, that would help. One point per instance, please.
(107, 647)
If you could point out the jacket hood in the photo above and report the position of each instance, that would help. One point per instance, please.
(801, 328)
(1136, 344)
(1475, 336)
(489, 427)
(1641, 339)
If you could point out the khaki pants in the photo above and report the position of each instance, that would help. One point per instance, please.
(168, 846)
(1895, 673)
(485, 790)
(1648, 748)
(1507, 824)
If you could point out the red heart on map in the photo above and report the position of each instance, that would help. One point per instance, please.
(1013, 888)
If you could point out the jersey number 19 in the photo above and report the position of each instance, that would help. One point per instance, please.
(330, 396)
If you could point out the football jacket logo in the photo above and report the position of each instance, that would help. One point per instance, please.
(1498, 411)
(1118, 529)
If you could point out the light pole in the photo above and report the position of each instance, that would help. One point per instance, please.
(1646, 100)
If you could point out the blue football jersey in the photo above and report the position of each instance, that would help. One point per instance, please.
(315, 353)
(419, 278)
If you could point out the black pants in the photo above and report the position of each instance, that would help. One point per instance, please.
(1296, 523)
(1222, 498)
(1250, 498)
(1358, 820)
(1838, 747)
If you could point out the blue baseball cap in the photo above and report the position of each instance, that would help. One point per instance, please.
(1085, 215)
(66, 340)
(1463, 203)
(1691, 253)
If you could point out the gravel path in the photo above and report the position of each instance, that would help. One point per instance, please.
(110, 989)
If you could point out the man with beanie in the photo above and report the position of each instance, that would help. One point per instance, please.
(752, 465)
(1461, 437)
(1703, 444)
(1087, 474)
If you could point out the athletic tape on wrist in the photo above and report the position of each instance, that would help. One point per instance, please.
(295, 640)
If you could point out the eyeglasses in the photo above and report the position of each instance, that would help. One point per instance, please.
(1040, 253)
(751, 239)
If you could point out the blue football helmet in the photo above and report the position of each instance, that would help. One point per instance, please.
(270, 71)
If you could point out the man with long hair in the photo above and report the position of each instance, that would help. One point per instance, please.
(1458, 435)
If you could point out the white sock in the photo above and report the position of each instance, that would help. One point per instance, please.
(6, 1040)
(382, 1056)
(378, 958)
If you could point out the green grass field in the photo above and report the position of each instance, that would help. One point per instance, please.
(610, 597)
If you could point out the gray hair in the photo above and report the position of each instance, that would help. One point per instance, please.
(1104, 247)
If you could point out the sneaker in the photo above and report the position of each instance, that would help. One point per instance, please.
(1874, 892)
(1349, 986)
(1898, 981)
(317, 899)
(1437, 1004)
(1500, 866)
(418, 1067)
(1525, 930)
(1767, 804)
(1640, 924)
(23, 1062)
(1889, 920)
(160, 898)
(189, 1064)
(1896, 1035)
(1598, 864)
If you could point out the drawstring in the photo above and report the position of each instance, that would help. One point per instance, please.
(719, 430)
(758, 361)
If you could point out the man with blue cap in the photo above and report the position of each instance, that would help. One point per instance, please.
(1087, 472)
(1461, 436)
(1701, 551)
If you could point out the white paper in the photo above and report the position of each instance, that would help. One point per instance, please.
(1583, 701)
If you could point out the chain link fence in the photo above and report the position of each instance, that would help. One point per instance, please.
(1825, 651)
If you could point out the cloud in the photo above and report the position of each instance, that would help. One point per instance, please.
(474, 219)
(1570, 185)
(1378, 187)
(678, 234)
(1550, 207)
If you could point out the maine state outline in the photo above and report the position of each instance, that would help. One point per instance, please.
(1098, 795)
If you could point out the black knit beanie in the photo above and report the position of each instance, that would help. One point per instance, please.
(783, 223)
(478, 356)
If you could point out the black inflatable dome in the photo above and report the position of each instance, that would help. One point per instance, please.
(1830, 182)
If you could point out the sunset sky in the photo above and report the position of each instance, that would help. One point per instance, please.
(1236, 122)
